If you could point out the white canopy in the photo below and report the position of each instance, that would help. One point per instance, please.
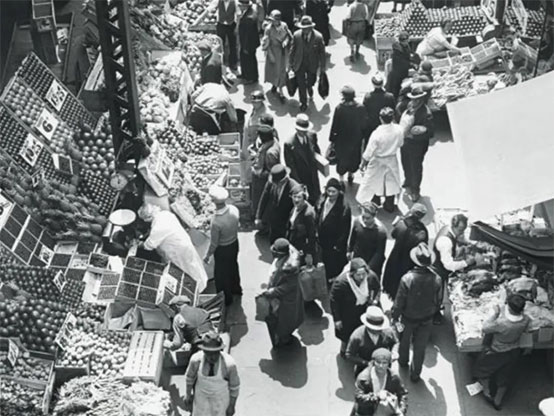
(506, 142)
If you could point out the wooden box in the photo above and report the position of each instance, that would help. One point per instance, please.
(145, 357)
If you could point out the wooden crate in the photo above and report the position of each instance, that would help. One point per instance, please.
(145, 357)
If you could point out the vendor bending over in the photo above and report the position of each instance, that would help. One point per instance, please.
(435, 43)
(212, 110)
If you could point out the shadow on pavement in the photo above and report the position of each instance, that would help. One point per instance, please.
(262, 242)
(360, 65)
(311, 330)
(287, 365)
(236, 321)
(347, 379)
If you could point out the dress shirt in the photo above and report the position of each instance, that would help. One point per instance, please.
(214, 97)
(444, 246)
(224, 228)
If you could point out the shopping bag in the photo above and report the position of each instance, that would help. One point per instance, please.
(292, 84)
(313, 282)
(331, 154)
(323, 85)
(262, 308)
(345, 26)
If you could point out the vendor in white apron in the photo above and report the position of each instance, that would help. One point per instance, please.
(381, 174)
(212, 380)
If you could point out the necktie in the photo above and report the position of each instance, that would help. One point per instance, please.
(211, 372)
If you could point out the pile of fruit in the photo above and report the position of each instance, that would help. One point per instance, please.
(27, 106)
(26, 367)
(92, 313)
(96, 149)
(154, 106)
(106, 350)
(17, 399)
(387, 27)
(191, 10)
(452, 84)
(194, 58)
(35, 321)
(97, 189)
(40, 78)
(534, 22)
(165, 28)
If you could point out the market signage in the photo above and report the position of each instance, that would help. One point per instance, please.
(56, 95)
(13, 352)
(46, 124)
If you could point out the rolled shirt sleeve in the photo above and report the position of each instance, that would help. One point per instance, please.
(232, 376)
(444, 246)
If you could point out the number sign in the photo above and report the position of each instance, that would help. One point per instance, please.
(56, 95)
(46, 124)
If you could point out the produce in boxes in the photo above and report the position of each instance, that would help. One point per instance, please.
(165, 73)
(96, 149)
(26, 367)
(35, 321)
(191, 10)
(17, 399)
(95, 396)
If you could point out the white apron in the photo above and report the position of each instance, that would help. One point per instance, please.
(211, 393)
(381, 177)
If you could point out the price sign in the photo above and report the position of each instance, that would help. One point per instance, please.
(31, 149)
(46, 254)
(171, 283)
(56, 95)
(46, 124)
(64, 336)
(13, 352)
(60, 280)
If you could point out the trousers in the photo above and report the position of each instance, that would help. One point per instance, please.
(249, 66)
(226, 271)
(305, 80)
(227, 33)
(416, 334)
(412, 154)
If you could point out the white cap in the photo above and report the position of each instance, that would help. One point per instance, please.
(218, 194)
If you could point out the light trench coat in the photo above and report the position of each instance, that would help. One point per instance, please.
(382, 174)
(173, 244)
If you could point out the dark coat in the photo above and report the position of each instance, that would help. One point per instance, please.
(407, 233)
(302, 232)
(343, 305)
(212, 68)
(347, 134)
(422, 117)
(400, 66)
(288, 9)
(268, 156)
(319, 11)
(284, 287)
(302, 164)
(249, 36)
(333, 231)
(369, 244)
(275, 209)
(374, 102)
(365, 402)
(315, 58)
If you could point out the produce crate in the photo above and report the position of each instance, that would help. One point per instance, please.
(200, 25)
(382, 42)
(238, 193)
(382, 56)
(486, 53)
(64, 374)
(145, 357)
(44, 358)
(46, 387)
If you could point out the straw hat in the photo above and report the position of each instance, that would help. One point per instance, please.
(375, 319)
(218, 194)
(302, 122)
(211, 341)
(422, 255)
(305, 22)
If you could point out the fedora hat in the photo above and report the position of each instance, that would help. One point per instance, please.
(257, 96)
(211, 341)
(375, 319)
(302, 122)
(416, 93)
(281, 246)
(422, 255)
(305, 22)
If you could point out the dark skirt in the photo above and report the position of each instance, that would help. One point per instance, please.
(249, 66)
(356, 32)
(334, 262)
(226, 271)
(498, 365)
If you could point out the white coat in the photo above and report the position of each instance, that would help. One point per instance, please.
(172, 242)
(382, 175)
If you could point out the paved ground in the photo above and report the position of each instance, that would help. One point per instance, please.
(309, 378)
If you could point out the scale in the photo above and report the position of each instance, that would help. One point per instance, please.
(116, 233)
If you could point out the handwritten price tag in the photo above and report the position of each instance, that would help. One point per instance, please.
(64, 336)
(60, 281)
(46, 124)
(13, 352)
(30, 151)
(56, 95)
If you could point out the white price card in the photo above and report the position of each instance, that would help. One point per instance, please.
(171, 283)
(56, 95)
(46, 124)
(474, 389)
(13, 352)
(64, 335)
(30, 151)
(46, 255)
(60, 280)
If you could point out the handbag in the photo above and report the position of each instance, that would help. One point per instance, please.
(345, 26)
(323, 85)
(331, 154)
(262, 308)
(292, 83)
(313, 282)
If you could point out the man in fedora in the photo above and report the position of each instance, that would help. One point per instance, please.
(299, 154)
(374, 102)
(417, 119)
(418, 298)
(249, 41)
(224, 244)
(212, 379)
(307, 58)
(276, 203)
(374, 333)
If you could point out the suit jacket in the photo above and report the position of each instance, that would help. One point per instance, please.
(315, 58)
(276, 211)
(211, 69)
(301, 232)
(301, 162)
(374, 102)
(249, 36)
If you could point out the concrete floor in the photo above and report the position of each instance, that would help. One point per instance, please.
(309, 378)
